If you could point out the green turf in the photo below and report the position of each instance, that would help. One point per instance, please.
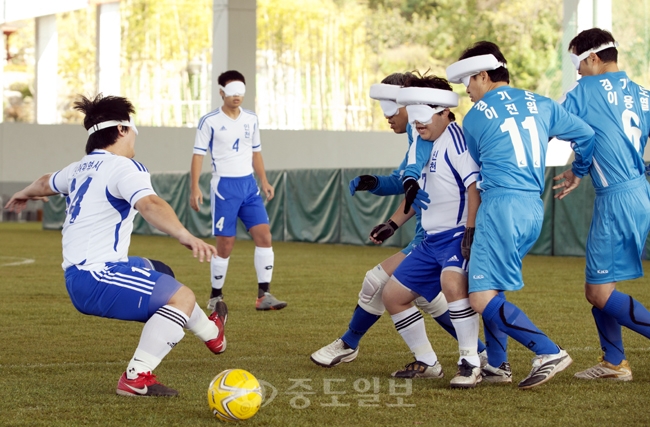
(60, 368)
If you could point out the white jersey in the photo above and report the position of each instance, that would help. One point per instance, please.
(450, 171)
(231, 142)
(101, 190)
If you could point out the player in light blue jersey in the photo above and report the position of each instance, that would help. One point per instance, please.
(618, 110)
(231, 136)
(105, 190)
(370, 306)
(507, 133)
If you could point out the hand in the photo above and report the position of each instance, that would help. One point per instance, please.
(383, 231)
(198, 247)
(569, 184)
(414, 195)
(18, 201)
(466, 244)
(196, 198)
(268, 190)
(363, 183)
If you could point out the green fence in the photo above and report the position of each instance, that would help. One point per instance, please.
(315, 206)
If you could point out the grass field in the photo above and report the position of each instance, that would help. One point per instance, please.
(60, 368)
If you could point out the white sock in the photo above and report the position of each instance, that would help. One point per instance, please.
(218, 269)
(466, 323)
(201, 326)
(263, 261)
(160, 334)
(410, 325)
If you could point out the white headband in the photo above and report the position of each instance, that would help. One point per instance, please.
(234, 88)
(471, 66)
(417, 98)
(386, 95)
(110, 123)
(577, 59)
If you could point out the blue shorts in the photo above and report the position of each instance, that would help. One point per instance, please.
(232, 198)
(508, 223)
(123, 290)
(420, 271)
(618, 232)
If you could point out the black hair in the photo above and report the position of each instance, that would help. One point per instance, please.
(101, 109)
(431, 81)
(397, 79)
(501, 74)
(229, 76)
(592, 38)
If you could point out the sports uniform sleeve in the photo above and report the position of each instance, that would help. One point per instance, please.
(392, 184)
(460, 157)
(257, 143)
(59, 179)
(570, 127)
(130, 181)
(203, 138)
(417, 158)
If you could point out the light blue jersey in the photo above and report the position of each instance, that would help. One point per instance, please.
(617, 109)
(507, 134)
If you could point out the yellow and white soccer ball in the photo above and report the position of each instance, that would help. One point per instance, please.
(234, 394)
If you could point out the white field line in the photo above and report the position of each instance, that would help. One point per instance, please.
(10, 261)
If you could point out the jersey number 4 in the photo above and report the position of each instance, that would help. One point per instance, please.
(510, 125)
(235, 146)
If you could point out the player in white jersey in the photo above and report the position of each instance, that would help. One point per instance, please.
(369, 305)
(104, 191)
(437, 263)
(231, 136)
(618, 110)
(507, 133)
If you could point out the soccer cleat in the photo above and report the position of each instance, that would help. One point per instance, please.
(144, 385)
(483, 357)
(606, 371)
(502, 374)
(467, 376)
(213, 302)
(334, 353)
(545, 367)
(419, 369)
(269, 302)
(221, 308)
(217, 345)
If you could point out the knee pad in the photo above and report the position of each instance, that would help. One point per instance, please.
(435, 308)
(161, 267)
(371, 290)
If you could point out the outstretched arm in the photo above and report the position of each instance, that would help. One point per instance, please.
(37, 190)
(158, 213)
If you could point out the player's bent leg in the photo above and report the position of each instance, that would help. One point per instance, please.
(409, 323)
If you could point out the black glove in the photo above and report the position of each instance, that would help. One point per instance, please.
(466, 244)
(383, 231)
(363, 183)
(411, 188)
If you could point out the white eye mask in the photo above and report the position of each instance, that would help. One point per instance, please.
(234, 88)
(422, 113)
(577, 59)
(461, 71)
(110, 123)
(390, 108)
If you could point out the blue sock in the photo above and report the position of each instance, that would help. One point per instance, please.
(495, 341)
(611, 339)
(516, 324)
(628, 312)
(359, 324)
(444, 321)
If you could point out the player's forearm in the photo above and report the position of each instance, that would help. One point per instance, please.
(399, 217)
(473, 202)
(158, 213)
(195, 170)
(39, 188)
(258, 167)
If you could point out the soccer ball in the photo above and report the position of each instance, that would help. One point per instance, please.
(234, 394)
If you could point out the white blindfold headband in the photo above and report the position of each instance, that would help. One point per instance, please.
(111, 123)
(577, 59)
(234, 88)
(417, 98)
(386, 95)
(461, 71)
(389, 108)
